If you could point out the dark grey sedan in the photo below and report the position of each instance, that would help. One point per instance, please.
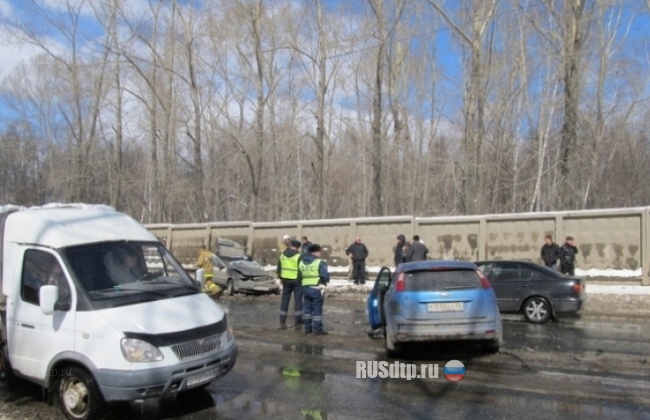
(538, 292)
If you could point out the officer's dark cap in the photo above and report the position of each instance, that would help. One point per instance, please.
(294, 244)
(314, 248)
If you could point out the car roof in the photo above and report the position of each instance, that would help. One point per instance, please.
(61, 225)
(436, 265)
(505, 261)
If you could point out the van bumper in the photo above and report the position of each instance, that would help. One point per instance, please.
(120, 385)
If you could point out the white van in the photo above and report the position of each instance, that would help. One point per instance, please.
(97, 310)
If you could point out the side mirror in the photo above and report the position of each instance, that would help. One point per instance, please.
(48, 295)
(200, 277)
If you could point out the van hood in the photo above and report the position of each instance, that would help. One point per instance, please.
(165, 316)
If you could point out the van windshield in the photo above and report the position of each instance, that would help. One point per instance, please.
(126, 272)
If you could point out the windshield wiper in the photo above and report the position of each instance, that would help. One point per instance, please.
(133, 302)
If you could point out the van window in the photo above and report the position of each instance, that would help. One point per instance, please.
(127, 272)
(36, 267)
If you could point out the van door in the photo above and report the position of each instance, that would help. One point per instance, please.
(35, 338)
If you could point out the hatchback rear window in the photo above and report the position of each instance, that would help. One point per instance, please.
(441, 280)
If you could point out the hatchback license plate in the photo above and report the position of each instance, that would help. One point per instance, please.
(445, 307)
(202, 377)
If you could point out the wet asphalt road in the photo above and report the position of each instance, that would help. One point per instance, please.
(578, 367)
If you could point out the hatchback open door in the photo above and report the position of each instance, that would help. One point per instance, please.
(376, 298)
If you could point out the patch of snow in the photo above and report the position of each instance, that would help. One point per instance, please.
(597, 289)
(610, 272)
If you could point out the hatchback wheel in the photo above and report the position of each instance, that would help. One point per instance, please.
(537, 310)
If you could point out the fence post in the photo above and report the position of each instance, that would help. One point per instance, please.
(645, 247)
(482, 238)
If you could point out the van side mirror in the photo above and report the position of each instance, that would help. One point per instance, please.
(200, 277)
(48, 295)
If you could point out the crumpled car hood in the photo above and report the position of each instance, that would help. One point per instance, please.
(248, 270)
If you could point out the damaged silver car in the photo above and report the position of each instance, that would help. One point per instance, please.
(243, 276)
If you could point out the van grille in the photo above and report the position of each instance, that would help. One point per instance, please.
(196, 348)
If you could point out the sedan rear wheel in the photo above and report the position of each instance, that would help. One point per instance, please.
(537, 310)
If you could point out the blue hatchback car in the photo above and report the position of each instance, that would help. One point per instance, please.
(434, 300)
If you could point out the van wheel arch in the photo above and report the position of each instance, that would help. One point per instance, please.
(77, 392)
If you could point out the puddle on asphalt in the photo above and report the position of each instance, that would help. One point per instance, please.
(247, 404)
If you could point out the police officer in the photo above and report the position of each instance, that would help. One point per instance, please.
(313, 272)
(290, 278)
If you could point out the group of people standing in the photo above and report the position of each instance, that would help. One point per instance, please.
(566, 255)
(305, 275)
(406, 251)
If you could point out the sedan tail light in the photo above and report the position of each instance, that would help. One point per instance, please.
(400, 286)
(578, 288)
(484, 281)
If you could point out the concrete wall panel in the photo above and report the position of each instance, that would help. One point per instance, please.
(607, 242)
(517, 239)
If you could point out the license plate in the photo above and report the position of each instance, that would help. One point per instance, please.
(202, 377)
(261, 288)
(445, 307)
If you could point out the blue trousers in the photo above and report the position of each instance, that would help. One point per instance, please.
(313, 309)
(288, 287)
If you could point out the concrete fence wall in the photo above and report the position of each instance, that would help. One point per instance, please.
(617, 239)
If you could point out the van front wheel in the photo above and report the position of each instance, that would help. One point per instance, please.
(79, 394)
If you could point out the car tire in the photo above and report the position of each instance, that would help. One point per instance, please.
(79, 395)
(392, 349)
(537, 310)
(230, 287)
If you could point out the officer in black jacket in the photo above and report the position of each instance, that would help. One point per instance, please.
(550, 252)
(568, 256)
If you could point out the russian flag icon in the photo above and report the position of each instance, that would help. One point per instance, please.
(454, 370)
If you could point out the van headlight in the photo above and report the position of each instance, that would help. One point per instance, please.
(135, 350)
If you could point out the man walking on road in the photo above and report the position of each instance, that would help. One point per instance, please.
(315, 277)
(358, 253)
(290, 277)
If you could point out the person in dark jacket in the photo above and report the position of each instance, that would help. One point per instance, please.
(402, 250)
(290, 277)
(418, 250)
(550, 252)
(358, 253)
(304, 249)
(568, 254)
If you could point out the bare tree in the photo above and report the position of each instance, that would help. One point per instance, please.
(473, 38)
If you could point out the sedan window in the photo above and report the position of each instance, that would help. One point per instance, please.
(506, 271)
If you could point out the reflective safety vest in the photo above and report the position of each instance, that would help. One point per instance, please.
(289, 267)
(310, 274)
